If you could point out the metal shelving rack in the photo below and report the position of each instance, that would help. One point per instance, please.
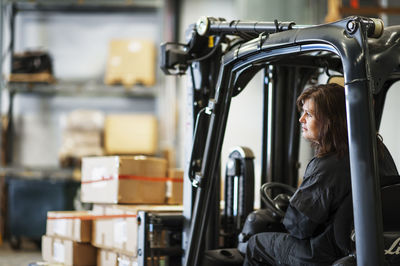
(80, 88)
(163, 10)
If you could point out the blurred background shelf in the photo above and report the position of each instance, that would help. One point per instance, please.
(87, 6)
(76, 35)
(53, 173)
(82, 89)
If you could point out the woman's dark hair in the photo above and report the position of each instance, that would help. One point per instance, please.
(330, 113)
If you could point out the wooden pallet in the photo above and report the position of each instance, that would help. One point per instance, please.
(32, 77)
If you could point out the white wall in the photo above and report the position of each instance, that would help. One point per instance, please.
(390, 124)
(192, 10)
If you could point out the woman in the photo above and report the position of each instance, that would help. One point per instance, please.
(326, 184)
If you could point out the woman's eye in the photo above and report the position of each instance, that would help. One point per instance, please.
(306, 114)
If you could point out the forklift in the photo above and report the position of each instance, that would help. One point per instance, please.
(221, 58)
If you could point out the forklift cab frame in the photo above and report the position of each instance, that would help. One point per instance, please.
(290, 55)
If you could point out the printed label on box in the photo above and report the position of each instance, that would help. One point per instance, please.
(120, 231)
(60, 227)
(134, 46)
(58, 252)
(168, 190)
(98, 173)
(124, 262)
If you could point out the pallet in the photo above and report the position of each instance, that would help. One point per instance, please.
(32, 77)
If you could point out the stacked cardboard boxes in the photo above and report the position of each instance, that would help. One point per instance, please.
(112, 258)
(67, 239)
(91, 133)
(120, 187)
(82, 136)
(115, 231)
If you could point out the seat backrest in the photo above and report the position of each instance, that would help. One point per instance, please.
(343, 220)
(390, 197)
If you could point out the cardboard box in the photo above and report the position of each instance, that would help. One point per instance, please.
(131, 61)
(170, 155)
(116, 226)
(130, 260)
(123, 179)
(68, 252)
(79, 143)
(73, 225)
(174, 186)
(107, 257)
(74, 138)
(85, 120)
(111, 258)
(131, 134)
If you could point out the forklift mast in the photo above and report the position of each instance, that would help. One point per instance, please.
(222, 57)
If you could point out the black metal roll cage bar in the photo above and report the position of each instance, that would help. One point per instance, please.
(356, 46)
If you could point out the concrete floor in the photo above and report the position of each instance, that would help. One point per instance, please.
(28, 255)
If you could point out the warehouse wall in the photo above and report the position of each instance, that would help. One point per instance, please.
(390, 127)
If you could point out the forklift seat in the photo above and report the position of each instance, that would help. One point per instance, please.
(390, 195)
(343, 224)
(391, 223)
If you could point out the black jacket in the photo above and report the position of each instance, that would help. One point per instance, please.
(309, 219)
(312, 209)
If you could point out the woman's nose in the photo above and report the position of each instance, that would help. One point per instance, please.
(301, 119)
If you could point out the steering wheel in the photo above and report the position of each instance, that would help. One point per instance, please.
(279, 204)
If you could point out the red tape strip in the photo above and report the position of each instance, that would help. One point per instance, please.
(134, 177)
(93, 217)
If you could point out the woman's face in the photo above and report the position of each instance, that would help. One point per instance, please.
(309, 123)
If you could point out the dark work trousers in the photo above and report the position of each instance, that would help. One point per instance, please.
(274, 248)
(259, 250)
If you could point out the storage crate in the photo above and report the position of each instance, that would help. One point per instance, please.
(29, 200)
